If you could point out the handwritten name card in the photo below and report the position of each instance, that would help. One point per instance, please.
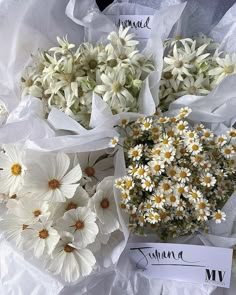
(140, 25)
(199, 264)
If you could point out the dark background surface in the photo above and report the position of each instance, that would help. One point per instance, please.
(103, 3)
(227, 3)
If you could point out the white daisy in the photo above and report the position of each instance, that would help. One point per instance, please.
(70, 261)
(12, 169)
(113, 142)
(208, 180)
(219, 216)
(51, 180)
(40, 237)
(103, 203)
(80, 222)
(136, 152)
(147, 184)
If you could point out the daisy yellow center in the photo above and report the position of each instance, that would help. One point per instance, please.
(116, 87)
(29, 83)
(195, 147)
(194, 195)
(53, 184)
(218, 215)
(14, 196)
(43, 234)
(128, 183)
(207, 134)
(157, 167)
(167, 155)
(141, 218)
(37, 212)
(207, 179)
(227, 151)
(123, 206)
(170, 133)
(232, 133)
(147, 124)
(198, 159)
(172, 173)
(71, 206)
(149, 206)
(179, 213)
(181, 127)
(68, 249)
(162, 120)
(181, 190)
(105, 204)
(165, 141)
(157, 199)
(141, 171)
(163, 215)
(191, 135)
(16, 169)
(165, 186)
(172, 199)
(202, 205)
(147, 183)
(155, 130)
(79, 224)
(229, 69)
(89, 171)
(183, 174)
(220, 139)
(135, 153)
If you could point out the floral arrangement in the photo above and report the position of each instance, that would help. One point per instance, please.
(65, 77)
(178, 176)
(193, 66)
(57, 209)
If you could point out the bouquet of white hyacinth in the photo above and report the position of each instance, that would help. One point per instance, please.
(66, 77)
(193, 66)
(57, 207)
(178, 176)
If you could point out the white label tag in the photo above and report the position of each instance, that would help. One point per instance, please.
(140, 24)
(199, 264)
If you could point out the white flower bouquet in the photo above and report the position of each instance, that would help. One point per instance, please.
(63, 109)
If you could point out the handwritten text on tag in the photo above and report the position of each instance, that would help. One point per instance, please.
(201, 264)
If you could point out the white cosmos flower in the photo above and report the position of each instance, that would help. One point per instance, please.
(52, 180)
(80, 199)
(70, 261)
(27, 209)
(103, 203)
(96, 165)
(12, 169)
(40, 237)
(13, 227)
(80, 222)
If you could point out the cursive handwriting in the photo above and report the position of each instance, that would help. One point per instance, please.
(140, 24)
(152, 254)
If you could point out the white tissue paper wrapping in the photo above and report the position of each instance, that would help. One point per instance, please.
(15, 269)
(218, 108)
